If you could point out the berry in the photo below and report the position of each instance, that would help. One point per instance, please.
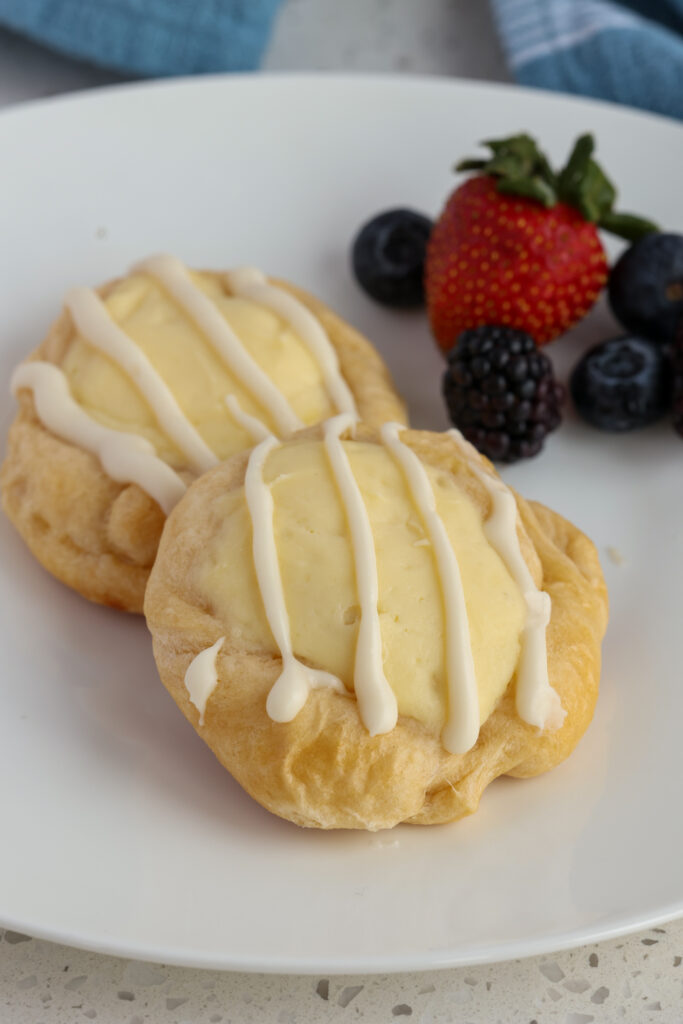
(519, 244)
(506, 259)
(646, 286)
(501, 392)
(622, 384)
(388, 257)
(677, 379)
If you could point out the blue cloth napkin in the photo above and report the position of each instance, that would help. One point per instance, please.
(149, 37)
(629, 51)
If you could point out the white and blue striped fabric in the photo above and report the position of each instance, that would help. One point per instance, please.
(628, 51)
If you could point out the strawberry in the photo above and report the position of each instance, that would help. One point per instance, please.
(518, 244)
(495, 259)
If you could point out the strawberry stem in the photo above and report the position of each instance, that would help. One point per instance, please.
(583, 184)
(470, 165)
(531, 188)
(574, 171)
(627, 225)
(522, 169)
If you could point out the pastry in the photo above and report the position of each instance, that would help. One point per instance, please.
(149, 382)
(367, 626)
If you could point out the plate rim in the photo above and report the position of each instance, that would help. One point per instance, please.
(260, 79)
(432, 960)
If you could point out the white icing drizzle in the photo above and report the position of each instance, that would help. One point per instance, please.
(290, 690)
(256, 429)
(94, 324)
(173, 276)
(253, 284)
(129, 457)
(462, 725)
(126, 458)
(376, 700)
(537, 702)
(201, 677)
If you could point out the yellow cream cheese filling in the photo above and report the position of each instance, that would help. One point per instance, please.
(196, 376)
(317, 568)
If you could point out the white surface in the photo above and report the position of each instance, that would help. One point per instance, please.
(446, 37)
(153, 851)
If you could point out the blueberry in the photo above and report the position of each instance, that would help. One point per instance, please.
(646, 286)
(388, 257)
(622, 384)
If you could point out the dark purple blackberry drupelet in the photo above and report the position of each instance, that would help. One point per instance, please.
(501, 392)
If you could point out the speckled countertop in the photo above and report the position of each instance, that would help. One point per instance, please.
(637, 978)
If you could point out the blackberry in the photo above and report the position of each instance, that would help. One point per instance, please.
(677, 379)
(622, 384)
(501, 392)
(388, 257)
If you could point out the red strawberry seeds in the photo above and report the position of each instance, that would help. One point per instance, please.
(518, 245)
(505, 259)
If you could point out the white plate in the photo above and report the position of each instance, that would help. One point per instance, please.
(120, 832)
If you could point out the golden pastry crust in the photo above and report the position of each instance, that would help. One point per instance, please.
(323, 769)
(99, 536)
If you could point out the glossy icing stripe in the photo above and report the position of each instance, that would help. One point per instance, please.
(462, 724)
(537, 702)
(290, 690)
(376, 700)
(176, 281)
(201, 678)
(126, 458)
(252, 284)
(94, 324)
(256, 429)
